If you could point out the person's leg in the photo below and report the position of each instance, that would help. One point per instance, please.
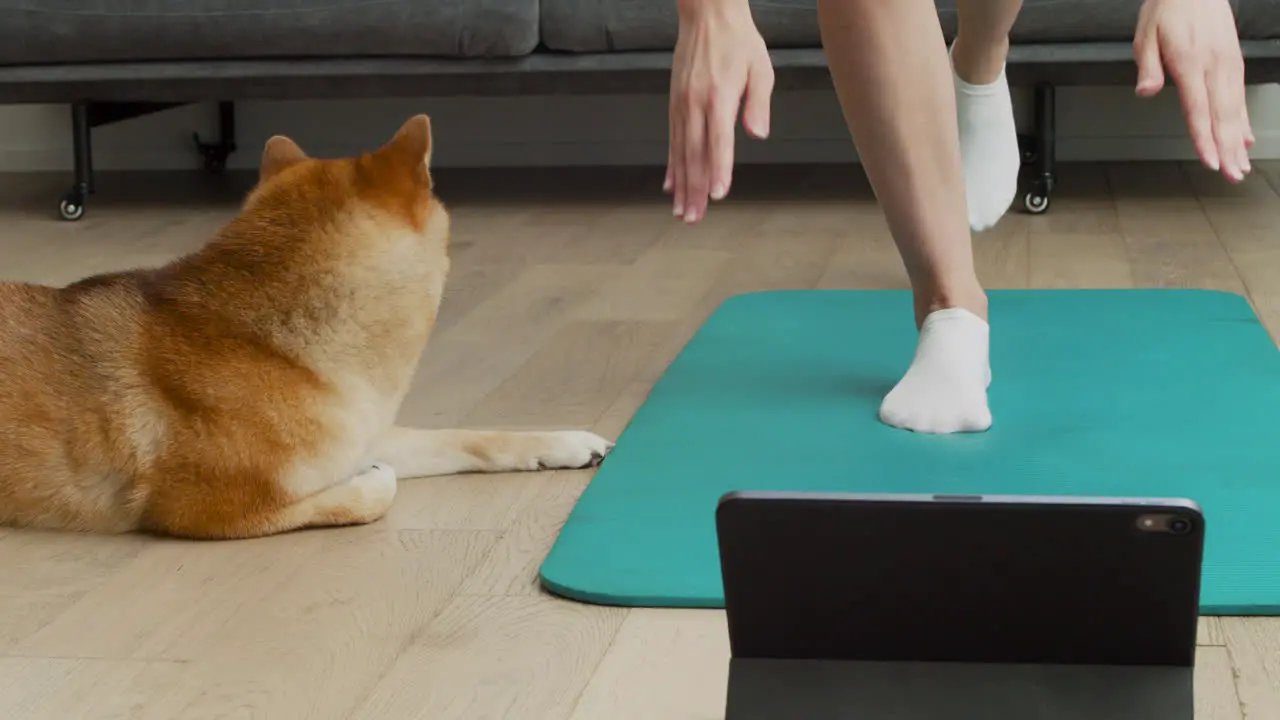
(984, 108)
(889, 64)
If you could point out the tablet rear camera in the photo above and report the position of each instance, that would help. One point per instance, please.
(1164, 523)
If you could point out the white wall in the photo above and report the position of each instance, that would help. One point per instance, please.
(1094, 124)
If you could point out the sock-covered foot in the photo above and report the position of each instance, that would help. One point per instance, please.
(945, 389)
(988, 149)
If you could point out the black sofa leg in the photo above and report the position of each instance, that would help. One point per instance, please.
(72, 205)
(1040, 155)
(87, 115)
(215, 154)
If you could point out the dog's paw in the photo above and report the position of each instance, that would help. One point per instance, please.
(568, 449)
(377, 486)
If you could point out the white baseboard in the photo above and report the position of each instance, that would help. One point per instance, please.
(1093, 124)
(592, 153)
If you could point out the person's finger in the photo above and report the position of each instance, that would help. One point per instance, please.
(1146, 53)
(1190, 80)
(755, 110)
(676, 155)
(1240, 106)
(695, 164)
(1226, 93)
(722, 116)
(1249, 138)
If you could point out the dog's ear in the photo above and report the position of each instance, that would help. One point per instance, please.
(279, 153)
(412, 143)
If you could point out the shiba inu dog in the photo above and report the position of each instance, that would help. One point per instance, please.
(251, 387)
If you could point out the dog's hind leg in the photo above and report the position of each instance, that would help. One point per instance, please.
(358, 501)
(363, 499)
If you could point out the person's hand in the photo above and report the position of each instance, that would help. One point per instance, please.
(1196, 40)
(719, 58)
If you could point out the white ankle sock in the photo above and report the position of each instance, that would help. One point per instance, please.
(945, 389)
(988, 149)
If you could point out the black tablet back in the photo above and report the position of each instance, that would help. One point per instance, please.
(1069, 591)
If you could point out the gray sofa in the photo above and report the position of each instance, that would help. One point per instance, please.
(111, 60)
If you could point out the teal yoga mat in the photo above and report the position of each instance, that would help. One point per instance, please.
(1096, 392)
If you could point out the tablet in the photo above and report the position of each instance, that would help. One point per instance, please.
(921, 601)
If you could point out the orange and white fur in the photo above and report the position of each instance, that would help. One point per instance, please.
(249, 388)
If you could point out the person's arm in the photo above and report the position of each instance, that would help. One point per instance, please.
(1196, 41)
(720, 64)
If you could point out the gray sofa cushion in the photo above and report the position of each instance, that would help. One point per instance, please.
(598, 25)
(46, 31)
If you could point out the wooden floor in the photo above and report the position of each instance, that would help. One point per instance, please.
(571, 293)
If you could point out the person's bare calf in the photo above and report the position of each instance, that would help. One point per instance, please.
(891, 72)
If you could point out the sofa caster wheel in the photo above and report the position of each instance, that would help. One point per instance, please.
(215, 165)
(72, 207)
(1036, 202)
(214, 154)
